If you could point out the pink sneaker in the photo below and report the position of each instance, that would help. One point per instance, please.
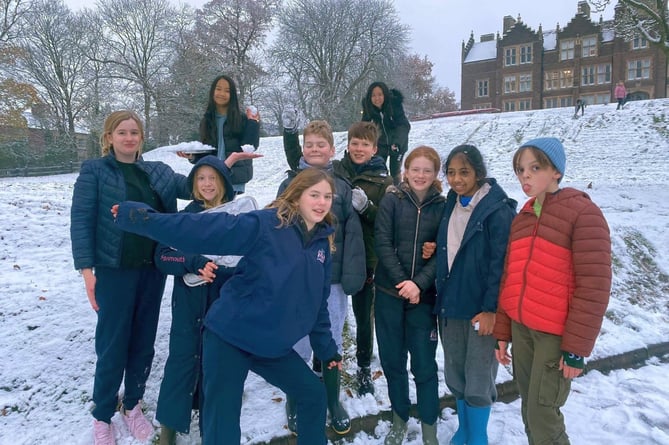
(139, 426)
(103, 433)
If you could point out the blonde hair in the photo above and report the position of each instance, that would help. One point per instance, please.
(431, 155)
(320, 128)
(287, 204)
(220, 189)
(113, 121)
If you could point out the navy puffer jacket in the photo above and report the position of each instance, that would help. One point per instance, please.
(96, 240)
(402, 226)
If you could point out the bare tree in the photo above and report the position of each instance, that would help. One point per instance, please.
(13, 12)
(137, 45)
(231, 31)
(329, 49)
(53, 59)
(648, 18)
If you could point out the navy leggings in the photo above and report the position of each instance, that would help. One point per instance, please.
(129, 301)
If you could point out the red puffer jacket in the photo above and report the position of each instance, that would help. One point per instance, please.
(557, 272)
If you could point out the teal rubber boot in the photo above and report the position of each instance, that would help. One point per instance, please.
(291, 415)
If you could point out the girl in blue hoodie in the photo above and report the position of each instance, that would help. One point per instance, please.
(471, 246)
(277, 295)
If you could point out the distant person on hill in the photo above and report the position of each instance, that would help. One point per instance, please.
(227, 129)
(369, 177)
(277, 295)
(580, 105)
(620, 94)
(122, 283)
(555, 288)
(383, 106)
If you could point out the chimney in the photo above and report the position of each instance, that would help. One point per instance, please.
(508, 23)
(487, 37)
(584, 8)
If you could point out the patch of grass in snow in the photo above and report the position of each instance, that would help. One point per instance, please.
(645, 284)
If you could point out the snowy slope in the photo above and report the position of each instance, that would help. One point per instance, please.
(47, 326)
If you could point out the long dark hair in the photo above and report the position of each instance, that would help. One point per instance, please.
(234, 116)
(387, 108)
(473, 157)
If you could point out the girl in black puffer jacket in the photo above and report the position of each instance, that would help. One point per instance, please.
(384, 107)
(408, 217)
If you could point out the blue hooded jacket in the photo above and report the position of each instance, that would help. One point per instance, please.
(280, 288)
(472, 286)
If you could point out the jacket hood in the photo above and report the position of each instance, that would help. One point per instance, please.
(222, 169)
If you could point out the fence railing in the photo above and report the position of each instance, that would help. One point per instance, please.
(69, 167)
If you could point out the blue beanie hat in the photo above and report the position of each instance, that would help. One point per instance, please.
(552, 147)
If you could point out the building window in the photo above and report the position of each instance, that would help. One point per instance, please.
(552, 80)
(509, 84)
(525, 82)
(603, 74)
(509, 106)
(525, 104)
(482, 88)
(588, 75)
(566, 78)
(526, 54)
(589, 46)
(566, 49)
(639, 42)
(510, 57)
(638, 69)
(551, 102)
(482, 106)
(567, 101)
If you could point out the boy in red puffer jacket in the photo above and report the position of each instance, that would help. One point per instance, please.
(555, 288)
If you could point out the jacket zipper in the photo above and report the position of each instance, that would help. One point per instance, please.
(527, 263)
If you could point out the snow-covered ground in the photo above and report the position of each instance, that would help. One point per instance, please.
(619, 157)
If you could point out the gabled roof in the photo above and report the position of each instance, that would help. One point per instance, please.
(482, 51)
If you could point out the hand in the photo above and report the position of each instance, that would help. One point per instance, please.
(188, 156)
(486, 321)
(253, 113)
(568, 372)
(502, 354)
(238, 156)
(429, 248)
(409, 290)
(114, 210)
(89, 283)
(359, 200)
(208, 272)
(394, 147)
(333, 363)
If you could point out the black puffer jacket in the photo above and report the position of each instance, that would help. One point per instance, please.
(373, 178)
(96, 240)
(402, 226)
(392, 122)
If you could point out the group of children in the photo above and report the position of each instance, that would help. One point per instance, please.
(419, 266)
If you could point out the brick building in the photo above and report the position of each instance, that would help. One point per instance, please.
(526, 69)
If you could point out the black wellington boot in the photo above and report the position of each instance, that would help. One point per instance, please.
(339, 420)
(291, 415)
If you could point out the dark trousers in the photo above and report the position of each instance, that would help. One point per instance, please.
(403, 328)
(225, 370)
(129, 301)
(542, 387)
(621, 103)
(363, 309)
(396, 157)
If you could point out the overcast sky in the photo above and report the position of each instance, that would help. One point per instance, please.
(438, 27)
